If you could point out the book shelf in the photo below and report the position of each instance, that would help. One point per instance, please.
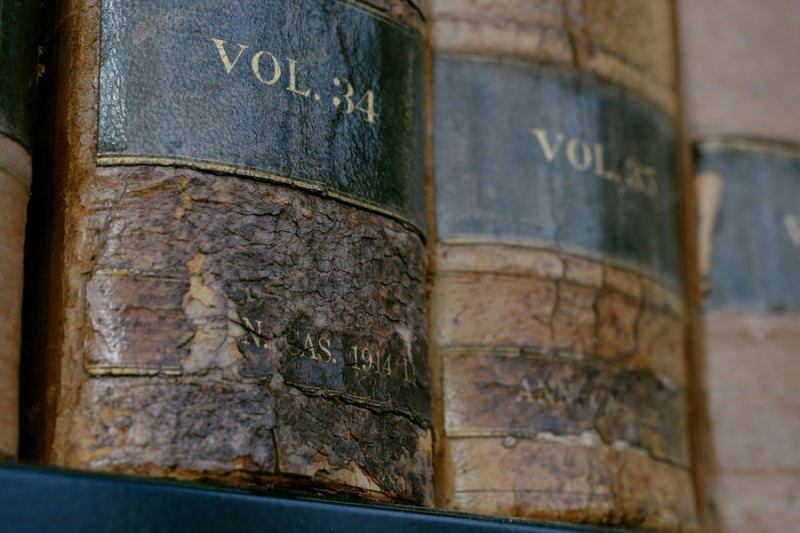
(35, 499)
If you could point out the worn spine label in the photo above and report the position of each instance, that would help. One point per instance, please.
(530, 154)
(583, 342)
(512, 392)
(749, 223)
(323, 95)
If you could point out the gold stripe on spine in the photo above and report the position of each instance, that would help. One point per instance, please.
(742, 144)
(129, 369)
(107, 160)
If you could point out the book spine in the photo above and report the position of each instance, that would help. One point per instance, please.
(557, 307)
(744, 126)
(244, 261)
(18, 40)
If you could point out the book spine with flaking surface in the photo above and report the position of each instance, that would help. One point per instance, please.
(239, 295)
(557, 307)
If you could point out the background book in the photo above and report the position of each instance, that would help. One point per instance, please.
(557, 311)
(741, 81)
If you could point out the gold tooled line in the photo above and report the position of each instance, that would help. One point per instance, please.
(132, 370)
(132, 273)
(512, 351)
(529, 352)
(105, 159)
(742, 144)
(379, 15)
(483, 433)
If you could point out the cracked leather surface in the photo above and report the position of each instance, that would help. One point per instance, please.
(263, 294)
(558, 324)
(563, 389)
(202, 311)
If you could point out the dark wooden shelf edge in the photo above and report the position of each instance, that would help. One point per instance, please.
(37, 499)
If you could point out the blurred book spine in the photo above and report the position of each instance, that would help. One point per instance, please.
(557, 304)
(744, 126)
(18, 73)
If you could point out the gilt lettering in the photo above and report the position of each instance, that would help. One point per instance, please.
(224, 55)
(255, 333)
(269, 72)
(276, 68)
(583, 156)
(549, 151)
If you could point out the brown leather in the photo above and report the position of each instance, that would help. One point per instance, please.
(555, 304)
(628, 41)
(162, 349)
(15, 176)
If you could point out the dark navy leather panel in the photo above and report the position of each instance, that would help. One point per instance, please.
(319, 94)
(755, 252)
(18, 49)
(536, 155)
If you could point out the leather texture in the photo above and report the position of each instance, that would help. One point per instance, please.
(318, 94)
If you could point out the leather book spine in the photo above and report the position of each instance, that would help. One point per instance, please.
(242, 276)
(744, 126)
(557, 306)
(18, 70)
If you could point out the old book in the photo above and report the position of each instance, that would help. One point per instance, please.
(557, 311)
(744, 123)
(18, 40)
(240, 290)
